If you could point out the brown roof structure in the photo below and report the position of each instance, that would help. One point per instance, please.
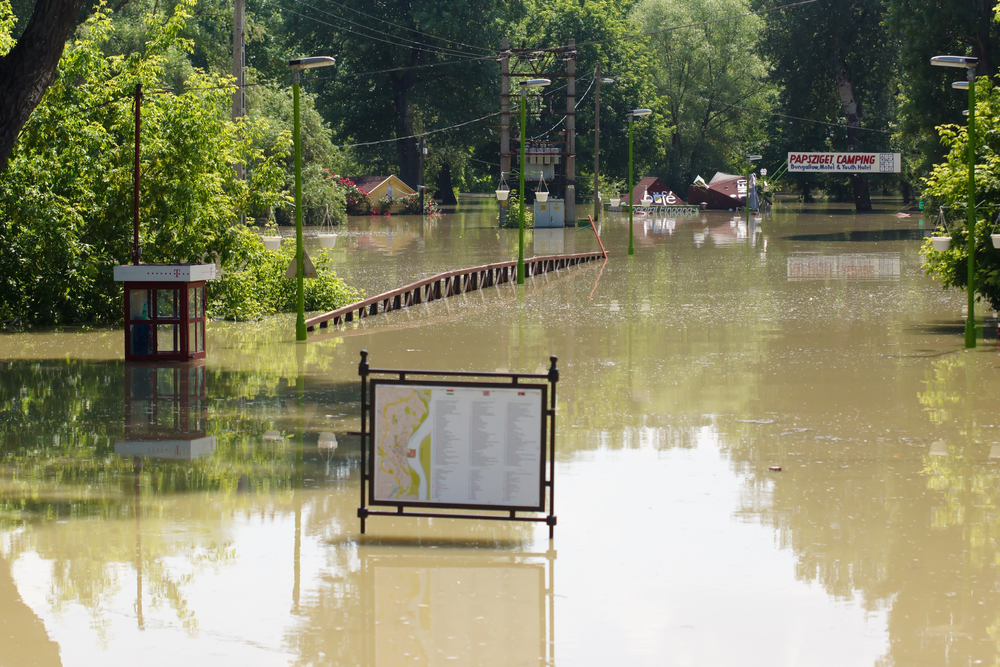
(655, 187)
(722, 193)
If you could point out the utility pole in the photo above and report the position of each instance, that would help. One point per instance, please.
(421, 182)
(570, 203)
(504, 120)
(239, 69)
(597, 139)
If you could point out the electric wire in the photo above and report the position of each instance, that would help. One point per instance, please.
(360, 34)
(575, 106)
(422, 134)
(441, 49)
(414, 30)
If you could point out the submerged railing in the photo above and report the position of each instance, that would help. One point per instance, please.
(449, 283)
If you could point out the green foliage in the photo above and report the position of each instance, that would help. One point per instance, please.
(805, 47)
(255, 286)
(66, 195)
(7, 21)
(947, 186)
(514, 215)
(710, 80)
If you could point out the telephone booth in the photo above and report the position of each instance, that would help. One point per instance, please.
(166, 412)
(164, 310)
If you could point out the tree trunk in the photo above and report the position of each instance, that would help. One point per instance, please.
(445, 188)
(845, 89)
(29, 69)
(406, 149)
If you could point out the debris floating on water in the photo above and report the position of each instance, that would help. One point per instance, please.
(775, 468)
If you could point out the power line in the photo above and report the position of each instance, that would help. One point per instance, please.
(422, 134)
(575, 106)
(449, 51)
(402, 69)
(360, 34)
(414, 30)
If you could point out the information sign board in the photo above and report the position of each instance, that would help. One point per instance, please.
(851, 163)
(432, 444)
(458, 445)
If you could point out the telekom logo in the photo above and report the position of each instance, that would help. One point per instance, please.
(177, 273)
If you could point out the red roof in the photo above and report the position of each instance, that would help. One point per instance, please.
(654, 186)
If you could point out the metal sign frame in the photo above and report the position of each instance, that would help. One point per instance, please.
(482, 380)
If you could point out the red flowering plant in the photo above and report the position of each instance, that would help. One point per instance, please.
(411, 205)
(359, 202)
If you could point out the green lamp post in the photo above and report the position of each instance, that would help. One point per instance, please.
(530, 83)
(297, 66)
(970, 84)
(632, 115)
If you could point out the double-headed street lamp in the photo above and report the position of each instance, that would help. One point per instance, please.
(530, 83)
(970, 84)
(297, 66)
(632, 115)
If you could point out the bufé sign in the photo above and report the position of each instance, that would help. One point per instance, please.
(852, 163)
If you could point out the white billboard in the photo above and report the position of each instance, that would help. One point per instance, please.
(850, 163)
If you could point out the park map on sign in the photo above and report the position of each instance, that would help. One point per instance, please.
(402, 452)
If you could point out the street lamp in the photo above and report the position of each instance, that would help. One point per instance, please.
(970, 84)
(597, 138)
(750, 160)
(632, 115)
(297, 66)
(530, 83)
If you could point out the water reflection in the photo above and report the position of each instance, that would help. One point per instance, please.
(688, 372)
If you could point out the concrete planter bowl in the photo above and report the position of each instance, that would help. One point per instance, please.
(327, 240)
(271, 242)
(941, 243)
(996, 240)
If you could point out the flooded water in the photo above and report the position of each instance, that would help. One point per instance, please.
(768, 453)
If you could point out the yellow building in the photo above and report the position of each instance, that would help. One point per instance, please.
(378, 187)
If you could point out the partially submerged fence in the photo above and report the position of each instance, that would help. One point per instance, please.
(447, 284)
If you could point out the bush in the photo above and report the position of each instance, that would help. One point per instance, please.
(358, 201)
(256, 285)
(947, 187)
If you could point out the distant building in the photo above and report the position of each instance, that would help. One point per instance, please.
(380, 186)
(655, 188)
(724, 192)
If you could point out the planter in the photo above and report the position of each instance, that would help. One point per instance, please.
(940, 243)
(502, 195)
(996, 240)
(542, 196)
(271, 242)
(327, 240)
(615, 202)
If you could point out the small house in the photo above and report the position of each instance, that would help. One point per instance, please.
(723, 193)
(378, 187)
(657, 190)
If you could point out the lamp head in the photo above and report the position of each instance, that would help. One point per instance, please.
(954, 61)
(753, 158)
(636, 113)
(960, 85)
(607, 80)
(534, 83)
(311, 62)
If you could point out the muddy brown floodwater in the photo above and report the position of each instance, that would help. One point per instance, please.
(688, 372)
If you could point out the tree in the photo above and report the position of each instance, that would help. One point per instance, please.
(946, 188)
(928, 29)
(29, 68)
(712, 82)
(458, 35)
(65, 198)
(833, 60)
